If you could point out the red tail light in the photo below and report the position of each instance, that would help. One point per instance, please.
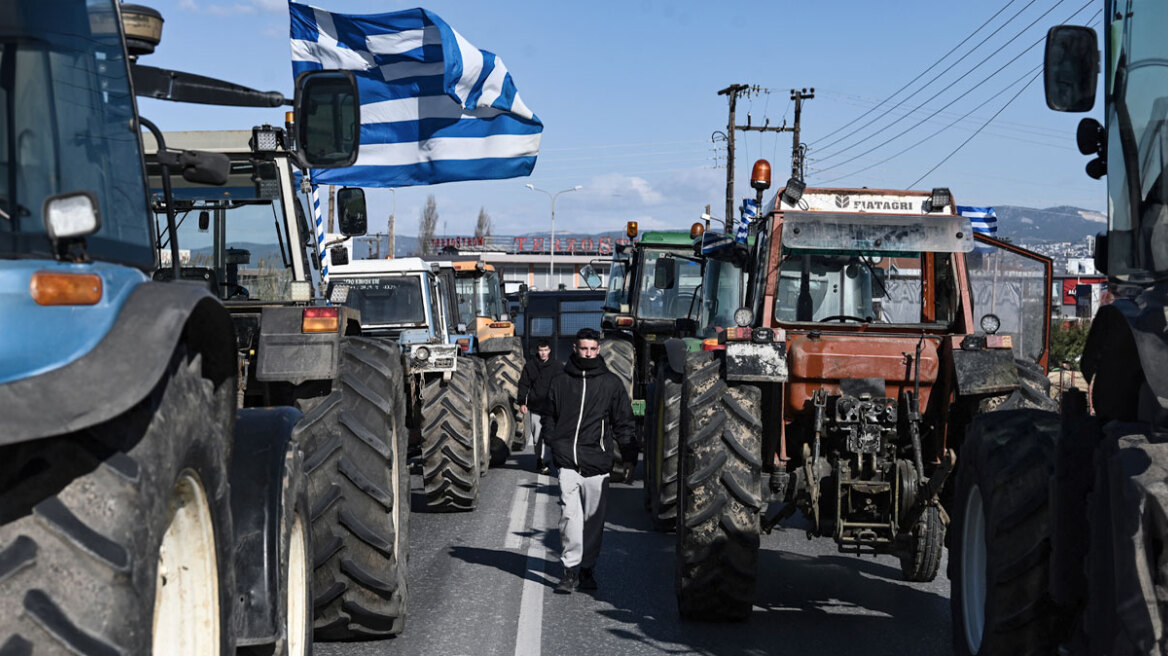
(500, 324)
(320, 320)
(624, 321)
(463, 344)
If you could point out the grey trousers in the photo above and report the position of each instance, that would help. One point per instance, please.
(582, 505)
(534, 429)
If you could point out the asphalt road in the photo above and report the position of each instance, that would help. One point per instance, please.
(481, 585)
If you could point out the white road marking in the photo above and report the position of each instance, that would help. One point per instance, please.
(529, 636)
(518, 524)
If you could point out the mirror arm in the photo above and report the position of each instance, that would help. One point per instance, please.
(176, 266)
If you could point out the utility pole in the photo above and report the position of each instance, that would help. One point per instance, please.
(796, 152)
(733, 91)
(392, 251)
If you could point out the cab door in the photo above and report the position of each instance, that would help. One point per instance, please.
(1013, 284)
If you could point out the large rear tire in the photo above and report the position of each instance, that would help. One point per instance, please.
(84, 519)
(450, 449)
(358, 512)
(504, 371)
(619, 356)
(999, 561)
(666, 453)
(720, 494)
(1127, 607)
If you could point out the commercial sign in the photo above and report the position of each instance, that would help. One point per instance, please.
(563, 245)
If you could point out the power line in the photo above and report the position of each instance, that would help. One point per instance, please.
(935, 113)
(922, 73)
(963, 143)
(931, 136)
(960, 78)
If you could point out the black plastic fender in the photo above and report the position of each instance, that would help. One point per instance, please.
(985, 371)
(124, 366)
(262, 437)
(675, 351)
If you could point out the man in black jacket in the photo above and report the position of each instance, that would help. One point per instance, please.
(534, 383)
(589, 408)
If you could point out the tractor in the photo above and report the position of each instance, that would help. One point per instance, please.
(841, 352)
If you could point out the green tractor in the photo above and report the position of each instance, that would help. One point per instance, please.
(653, 290)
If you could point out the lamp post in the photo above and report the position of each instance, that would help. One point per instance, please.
(552, 259)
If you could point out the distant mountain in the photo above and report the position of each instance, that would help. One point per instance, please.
(1053, 224)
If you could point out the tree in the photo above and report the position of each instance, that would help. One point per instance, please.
(1067, 340)
(427, 225)
(484, 227)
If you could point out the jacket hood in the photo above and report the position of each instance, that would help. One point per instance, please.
(572, 367)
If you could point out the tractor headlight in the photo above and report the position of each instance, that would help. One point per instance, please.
(421, 353)
(990, 324)
(743, 317)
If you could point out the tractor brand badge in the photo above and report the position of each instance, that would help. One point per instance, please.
(843, 201)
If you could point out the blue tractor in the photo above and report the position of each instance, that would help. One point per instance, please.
(140, 512)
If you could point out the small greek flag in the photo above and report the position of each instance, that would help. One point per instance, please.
(982, 219)
(433, 107)
(749, 214)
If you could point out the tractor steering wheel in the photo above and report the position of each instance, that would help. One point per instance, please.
(842, 318)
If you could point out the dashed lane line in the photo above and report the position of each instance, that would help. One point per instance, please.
(518, 526)
(529, 636)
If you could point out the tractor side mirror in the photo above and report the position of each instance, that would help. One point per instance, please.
(591, 278)
(524, 295)
(665, 273)
(328, 118)
(352, 219)
(1071, 68)
(204, 221)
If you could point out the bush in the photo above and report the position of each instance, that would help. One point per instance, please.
(1067, 340)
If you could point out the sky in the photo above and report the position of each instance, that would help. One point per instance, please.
(627, 93)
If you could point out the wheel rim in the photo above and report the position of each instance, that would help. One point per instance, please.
(297, 610)
(186, 586)
(973, 570)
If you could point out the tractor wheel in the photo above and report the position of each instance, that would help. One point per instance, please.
(667, 451)
(1127, 602)
(500, 426)
(619, 357)
(649, 439)
(450, 450)
(118, 539)
(999, 561)
(504, 370)
(921, 560)
(294, 603)
(720, 494)
(353, 458)
(482, 425)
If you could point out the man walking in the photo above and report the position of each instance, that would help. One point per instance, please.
(534, 383)
(589, 407)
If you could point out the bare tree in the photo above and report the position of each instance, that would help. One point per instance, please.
(427, 225)
(485, 226)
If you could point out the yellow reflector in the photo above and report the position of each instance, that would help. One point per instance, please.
(51, 288)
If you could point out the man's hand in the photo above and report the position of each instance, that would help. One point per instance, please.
(622, 472)
(523, 408)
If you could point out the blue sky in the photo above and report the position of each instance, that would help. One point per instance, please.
(627, 92)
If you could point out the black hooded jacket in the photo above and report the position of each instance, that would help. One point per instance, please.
(589, 410)
(535, 382)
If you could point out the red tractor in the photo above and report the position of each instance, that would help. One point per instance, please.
(845, 348)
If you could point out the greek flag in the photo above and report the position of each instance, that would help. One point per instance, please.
(749, 214)
(433, 107)
(982, 219)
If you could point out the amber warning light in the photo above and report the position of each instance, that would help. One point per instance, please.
(631, 229)
(697, 230)
(51, 288)
(760, 175)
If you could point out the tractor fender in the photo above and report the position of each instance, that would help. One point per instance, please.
(262, 437)
(985, 371)
(125, 365)
(675, 350)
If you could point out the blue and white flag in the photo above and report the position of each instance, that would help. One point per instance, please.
(749, 214)
(433, 107)
(982, 219)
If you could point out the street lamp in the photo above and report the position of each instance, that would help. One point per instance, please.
(552, 259)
